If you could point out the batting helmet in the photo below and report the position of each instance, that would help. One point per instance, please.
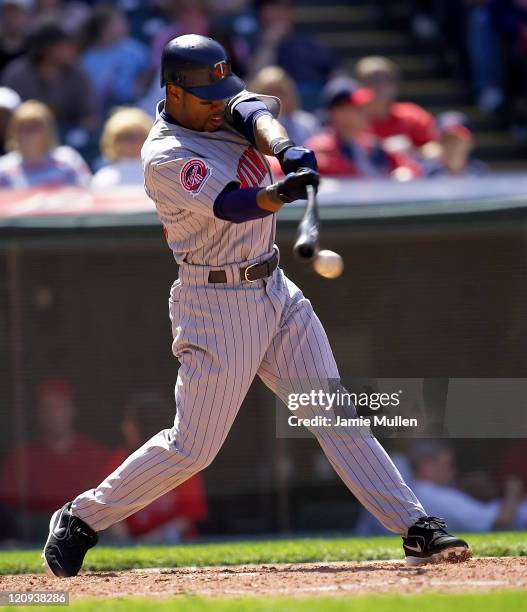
(200, 66)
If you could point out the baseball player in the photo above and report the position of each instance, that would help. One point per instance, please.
(234, 313)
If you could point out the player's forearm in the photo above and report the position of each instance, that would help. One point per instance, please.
(252, 119)
(266, 130)
(269, 200)
(248, 204)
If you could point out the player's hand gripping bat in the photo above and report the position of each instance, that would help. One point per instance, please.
(306, 245)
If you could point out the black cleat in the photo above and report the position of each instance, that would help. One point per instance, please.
(68, 541)
(429, 542)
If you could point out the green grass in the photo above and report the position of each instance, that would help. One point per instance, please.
(475, 602)
(273, 551)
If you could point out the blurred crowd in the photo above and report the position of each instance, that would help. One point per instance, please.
(475, 485)
(60, 460)
(79, 81)
(489, 38)
(478, 501)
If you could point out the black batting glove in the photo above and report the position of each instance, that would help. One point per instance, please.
(293, 157)
(293, 186)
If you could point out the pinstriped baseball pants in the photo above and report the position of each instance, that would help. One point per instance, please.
(224, 335)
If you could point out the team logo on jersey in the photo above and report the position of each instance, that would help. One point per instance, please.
(193, 175)
(251, 169)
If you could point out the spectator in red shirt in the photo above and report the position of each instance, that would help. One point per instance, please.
(388, 117)
(346, 148)
(173, 516)
(42, 474)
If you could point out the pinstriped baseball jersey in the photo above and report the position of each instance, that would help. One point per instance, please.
(225, 334)
(184, 173)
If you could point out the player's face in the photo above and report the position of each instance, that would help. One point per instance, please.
(200, 115)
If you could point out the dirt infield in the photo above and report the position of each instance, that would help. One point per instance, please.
(306, 579)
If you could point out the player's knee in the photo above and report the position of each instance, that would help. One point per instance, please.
(195, 455)
(196, 451)
(201, 459)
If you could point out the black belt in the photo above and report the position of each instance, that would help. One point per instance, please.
(251, 273)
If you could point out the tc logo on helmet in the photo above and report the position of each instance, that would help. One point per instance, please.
(193, 175)
(221, 70)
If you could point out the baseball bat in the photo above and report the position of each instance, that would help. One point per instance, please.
(307, 235)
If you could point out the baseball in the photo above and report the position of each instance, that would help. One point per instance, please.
(328, 264)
